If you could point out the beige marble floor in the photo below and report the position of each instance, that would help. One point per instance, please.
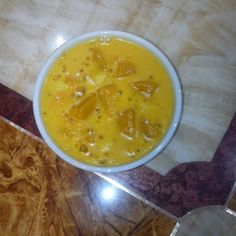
(198, 36)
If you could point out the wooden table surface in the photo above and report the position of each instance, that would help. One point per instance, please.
(199, 37)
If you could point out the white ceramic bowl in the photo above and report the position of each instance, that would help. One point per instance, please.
(124, 35)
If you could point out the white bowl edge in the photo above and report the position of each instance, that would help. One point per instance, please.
(133, 38)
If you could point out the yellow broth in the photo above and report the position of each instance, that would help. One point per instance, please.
(107, 103)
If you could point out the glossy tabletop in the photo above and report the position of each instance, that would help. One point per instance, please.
(197, 169)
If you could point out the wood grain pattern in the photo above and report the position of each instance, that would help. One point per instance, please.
(42, 195)
(198, 36)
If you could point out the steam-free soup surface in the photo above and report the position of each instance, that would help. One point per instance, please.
(107, 102)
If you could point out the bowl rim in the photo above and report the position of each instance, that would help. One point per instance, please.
(126, 36)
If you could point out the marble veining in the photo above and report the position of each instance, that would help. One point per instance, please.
(42, 195)
(198, 36)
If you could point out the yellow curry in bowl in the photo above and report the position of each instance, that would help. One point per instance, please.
(107, 102)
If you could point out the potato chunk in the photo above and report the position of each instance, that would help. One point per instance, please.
(80, 91)
(83, 109)
(90, 136)
(107, 96)
(149, 130)
(126, 121)
(124, 68)
(146, 88)
(98, 58)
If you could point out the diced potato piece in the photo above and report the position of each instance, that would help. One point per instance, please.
(83, 109)
(80, 91)
(62, 95)
(149, 130)
(98, 58)
(71, 82)
(146, 88)
(90, 136)
(124, 68)
(126, 121)
(83, 148)
(99, 78)
(107, 96)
